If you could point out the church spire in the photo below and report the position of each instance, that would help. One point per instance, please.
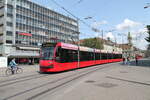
(129, 39)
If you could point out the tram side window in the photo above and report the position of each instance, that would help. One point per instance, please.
(91, 55)
(74, 55)
(67, 55)
(86, 56)
(115, 56)
(97, 56)
(83, 56)
(120, 55)
(63, 54)
(103, 56)
(112, 56)
(58, 52)
(109, 56)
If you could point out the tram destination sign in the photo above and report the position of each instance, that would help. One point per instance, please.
(48, 44)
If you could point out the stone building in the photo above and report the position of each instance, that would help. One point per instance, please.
(25, 25)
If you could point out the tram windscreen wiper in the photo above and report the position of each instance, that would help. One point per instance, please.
(47, 53)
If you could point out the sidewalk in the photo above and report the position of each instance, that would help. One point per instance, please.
(120, 82)
(142, 62)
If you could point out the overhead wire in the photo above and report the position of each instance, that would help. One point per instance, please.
(71, 14)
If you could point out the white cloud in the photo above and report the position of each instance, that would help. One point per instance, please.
(140, 33)
(110, 35)
(142, 44)
(127, 24)
(139, 38)
(137, 31)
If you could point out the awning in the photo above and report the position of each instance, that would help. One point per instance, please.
(29, 48)
(25, 34)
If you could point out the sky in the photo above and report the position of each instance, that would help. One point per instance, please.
(113, 18)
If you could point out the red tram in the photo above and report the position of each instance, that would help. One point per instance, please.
(56, 57)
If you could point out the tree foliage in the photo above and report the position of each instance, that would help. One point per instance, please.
(93, 43)
(148, 38)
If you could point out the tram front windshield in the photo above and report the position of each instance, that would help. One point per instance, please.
(47, 53)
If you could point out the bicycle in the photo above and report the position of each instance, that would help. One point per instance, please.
(16, 70)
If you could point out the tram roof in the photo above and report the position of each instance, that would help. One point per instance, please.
(82, 48)
(75, 47)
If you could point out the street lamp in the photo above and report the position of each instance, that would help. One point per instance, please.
(93, 28)
(78, 44)
(147, 6)
(89, 17)
(121, 34)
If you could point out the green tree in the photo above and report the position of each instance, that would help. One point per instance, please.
(148, 40)
(93, 43)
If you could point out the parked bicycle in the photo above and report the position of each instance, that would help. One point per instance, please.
(16, 70)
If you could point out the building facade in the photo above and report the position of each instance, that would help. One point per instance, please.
(25, 25)
(108, 45)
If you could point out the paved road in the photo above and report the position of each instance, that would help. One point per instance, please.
(122, 82)
(106, 82)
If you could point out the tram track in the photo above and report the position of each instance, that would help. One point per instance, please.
(66, 79)
(21, 79)
(63, 84)
(18, 78)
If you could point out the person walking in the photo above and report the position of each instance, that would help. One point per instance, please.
(136, 60)
(128, 60)
(12, 64)
(124, 60)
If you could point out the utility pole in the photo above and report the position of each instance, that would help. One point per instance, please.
(122, 46)
(78, 44)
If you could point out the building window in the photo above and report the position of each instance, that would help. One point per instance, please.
(9, 24)
(1, 16)
(9, 41)
(9, 9)
(1, 25)
(9, 33)
(9, 15)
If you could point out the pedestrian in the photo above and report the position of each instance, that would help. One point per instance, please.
(124, 60)
(30, 62)
(136, 60)
(128, 60)
(12, 64)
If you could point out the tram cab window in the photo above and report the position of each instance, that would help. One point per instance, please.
(58, 54)
(47, 53)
